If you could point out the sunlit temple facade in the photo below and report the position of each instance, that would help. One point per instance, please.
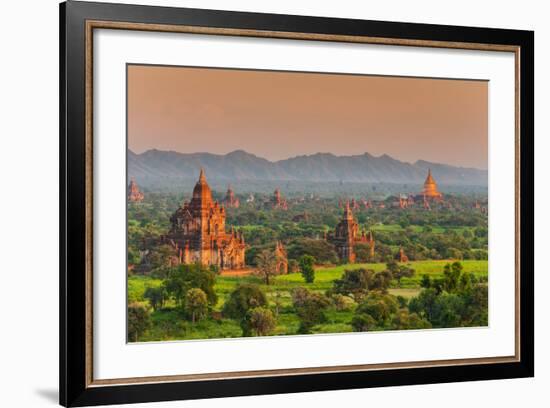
(198, 232)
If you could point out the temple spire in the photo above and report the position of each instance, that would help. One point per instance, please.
(347, 211)
(202, 177)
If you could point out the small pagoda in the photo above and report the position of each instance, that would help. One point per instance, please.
(231, 201)
(134, 194)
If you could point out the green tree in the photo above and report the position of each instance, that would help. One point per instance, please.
(306, 268)
(476, 300)
(381, 281)
(260, 321)
(245, 297)
(185, 277)
(424, 303)
(375, 312)
(355, 282)
(196, 304)
(310, 308)
(358, 282)
(403, 271)
(379, 306)
(441, 310)
(451, 273)
(392, 266)
(139, 321)
(425, 282)
(403, 302)
(448, 310)
(156, 296)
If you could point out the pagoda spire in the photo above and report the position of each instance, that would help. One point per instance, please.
(347, 211)
(202, 177)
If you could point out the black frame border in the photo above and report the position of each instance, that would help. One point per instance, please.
(72, 124)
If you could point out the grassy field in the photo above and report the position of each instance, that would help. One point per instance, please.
(169, 325)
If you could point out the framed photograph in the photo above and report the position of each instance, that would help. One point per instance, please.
(256, 203)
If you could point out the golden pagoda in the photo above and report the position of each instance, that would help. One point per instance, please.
(430, 188)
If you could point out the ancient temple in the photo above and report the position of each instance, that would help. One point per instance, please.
(401, 257)
(346, 236)
(277, 200)
(403, 201)
(430, 188)
(281, 257)
(198, 232)
(231, 201)
(134, 195)
(367, 204)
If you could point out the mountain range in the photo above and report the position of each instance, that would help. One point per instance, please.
(157, 168)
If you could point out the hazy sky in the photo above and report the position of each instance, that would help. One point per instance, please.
(277, 115)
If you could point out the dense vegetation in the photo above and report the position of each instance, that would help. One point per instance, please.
(444, 284)
(459, 232)
(340, 299)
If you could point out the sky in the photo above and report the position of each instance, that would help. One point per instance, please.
(277, 115)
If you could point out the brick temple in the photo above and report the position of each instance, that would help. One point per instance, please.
(231, 201)
(134, 195)
(346, 236)
(198, 232)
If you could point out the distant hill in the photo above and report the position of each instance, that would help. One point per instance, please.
(161, 168)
